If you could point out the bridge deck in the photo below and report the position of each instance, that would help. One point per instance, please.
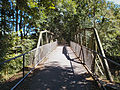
(62, 71)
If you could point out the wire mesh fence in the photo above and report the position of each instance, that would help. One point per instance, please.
(91, 57)
(83, 54)
(22, 65)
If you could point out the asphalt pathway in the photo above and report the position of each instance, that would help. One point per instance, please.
(62, 71)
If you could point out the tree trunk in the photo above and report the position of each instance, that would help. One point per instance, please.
(1, 24)
(4, 23)
(13, 20)
(24, 26)
(16, 18)
(20, 25)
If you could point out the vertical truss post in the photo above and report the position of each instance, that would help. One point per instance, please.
(23, 66)
(95, 56)
(42, 41)
(46, 37)
(78, 38)
(105, 64)
(85, 38)
(39, 40)
(91, 42)
(81, 39)
(82, 52)
(38, 44)
(75, 38)
(51, 39)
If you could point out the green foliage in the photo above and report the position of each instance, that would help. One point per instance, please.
(13, 47)
(32, 4)
(62, 17)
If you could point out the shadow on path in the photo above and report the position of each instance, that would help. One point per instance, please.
(57, 77)
(66, 53)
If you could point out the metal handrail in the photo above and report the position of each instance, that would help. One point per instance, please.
(17, 56)
(104, 57)
(13, 58)
(99, 44)
(33, 67)
(94, 76)
(52, 46)
(110, 60)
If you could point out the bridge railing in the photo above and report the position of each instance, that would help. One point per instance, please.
(43, 51)
(85, 55)
(24, 63)
(88, 49)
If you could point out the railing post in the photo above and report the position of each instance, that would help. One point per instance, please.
(85, 38)
(23, 65)
(106, 66)
(78, 38)
(75, 38)
(81, 39)
(46, 37)
(95, 56)
(42, 41)
(38, 44)
(51, 39)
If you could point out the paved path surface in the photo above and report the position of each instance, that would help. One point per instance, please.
(62, 71)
